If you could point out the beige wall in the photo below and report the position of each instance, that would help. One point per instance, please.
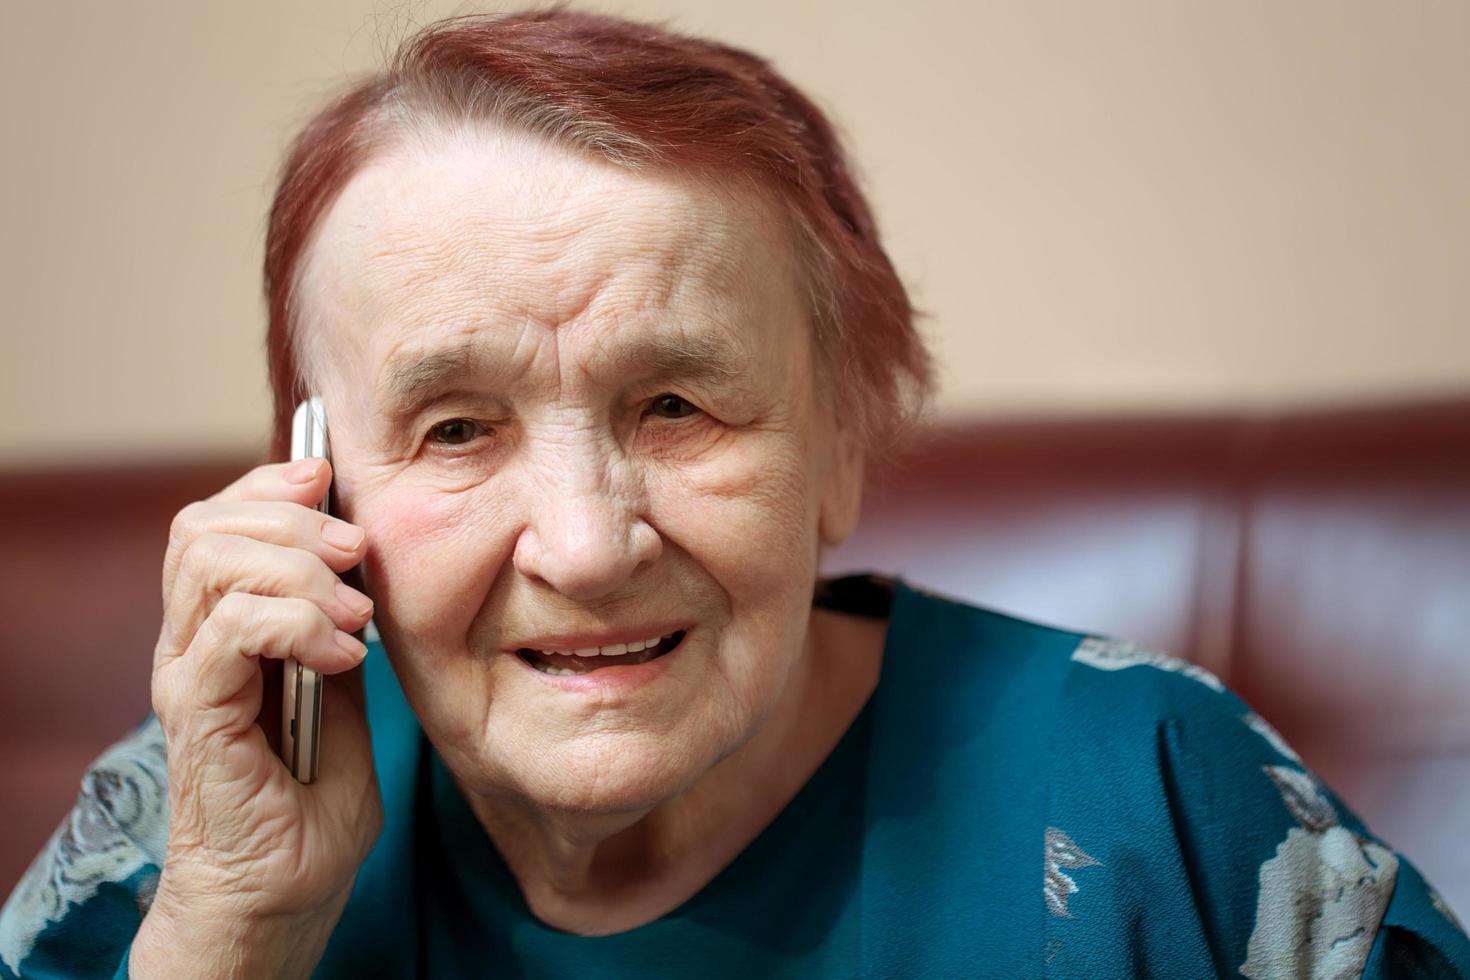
(1107, 206)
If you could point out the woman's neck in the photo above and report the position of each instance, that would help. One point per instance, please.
(607, 873)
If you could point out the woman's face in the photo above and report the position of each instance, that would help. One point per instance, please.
(499, 326)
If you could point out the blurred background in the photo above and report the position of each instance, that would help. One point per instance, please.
(1113, 206)
(1196, 277)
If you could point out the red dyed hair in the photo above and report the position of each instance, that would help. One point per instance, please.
(638, 96)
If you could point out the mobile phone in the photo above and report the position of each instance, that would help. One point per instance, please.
(301, 694)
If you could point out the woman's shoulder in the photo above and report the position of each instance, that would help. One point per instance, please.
(1179, 832)
(1077, 682)
(1098, 683)
(1178, 811)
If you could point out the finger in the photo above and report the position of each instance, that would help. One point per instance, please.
(336, 542)
(219, 564)
(221, 664)
(303, 481)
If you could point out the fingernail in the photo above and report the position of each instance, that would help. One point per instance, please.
(302, 470)
(359, 604)
(340, 534)
(351, 645)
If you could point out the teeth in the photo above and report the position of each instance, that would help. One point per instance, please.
(641, 655)
(613, 650)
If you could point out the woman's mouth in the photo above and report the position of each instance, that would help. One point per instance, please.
(565, 663)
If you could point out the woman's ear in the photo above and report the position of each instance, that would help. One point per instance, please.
(842, 494)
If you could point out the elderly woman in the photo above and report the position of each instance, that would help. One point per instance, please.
(608, 343)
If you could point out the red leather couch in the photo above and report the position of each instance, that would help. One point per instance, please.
(1318, 562)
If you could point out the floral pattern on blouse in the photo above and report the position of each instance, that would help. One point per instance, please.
(1109, 654)
(1063, 852)
(118, 827)
(1324, 893)
(1263, 728)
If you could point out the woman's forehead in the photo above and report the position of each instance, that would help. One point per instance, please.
(484, 227)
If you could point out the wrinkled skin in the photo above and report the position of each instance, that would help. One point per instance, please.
(553, 489)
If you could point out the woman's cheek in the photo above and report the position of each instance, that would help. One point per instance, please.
(749, 502)
(433, 544)
(732, 462)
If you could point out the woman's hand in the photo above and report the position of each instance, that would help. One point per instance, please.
(258, 866)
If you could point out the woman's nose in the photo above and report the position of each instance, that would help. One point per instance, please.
(584, 536)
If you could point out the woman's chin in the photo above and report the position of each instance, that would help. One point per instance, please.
(602, 775)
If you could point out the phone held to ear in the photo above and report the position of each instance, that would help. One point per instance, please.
(301, 701)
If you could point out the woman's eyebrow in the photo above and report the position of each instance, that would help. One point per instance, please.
(408, 383)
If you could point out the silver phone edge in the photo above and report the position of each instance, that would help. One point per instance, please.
(301, 698)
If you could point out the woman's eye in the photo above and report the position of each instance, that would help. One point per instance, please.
(672, 404)
(454, 432)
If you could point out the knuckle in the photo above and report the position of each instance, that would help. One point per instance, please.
(310, 623)
(246, 620)
(236, 616)
(203, 556)
(305, 521)
(309, 572)
(301, 613)
(185, 522)
(301, 564)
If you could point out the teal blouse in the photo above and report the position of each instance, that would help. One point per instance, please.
(1014, 800)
